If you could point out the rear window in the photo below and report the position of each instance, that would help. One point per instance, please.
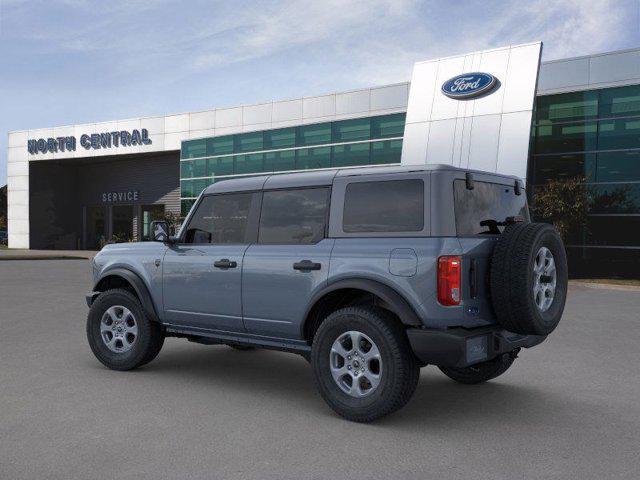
(294, 216)
(487, 201)
(387, 206)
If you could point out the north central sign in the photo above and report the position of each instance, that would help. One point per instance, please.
(93, 141)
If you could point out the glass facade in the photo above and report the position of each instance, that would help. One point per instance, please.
(595, 136)
(362, 141)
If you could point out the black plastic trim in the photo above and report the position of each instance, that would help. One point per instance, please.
(448, 348)
(138, 285)
(398, 304)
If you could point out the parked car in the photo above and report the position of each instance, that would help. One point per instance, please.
(369, 273)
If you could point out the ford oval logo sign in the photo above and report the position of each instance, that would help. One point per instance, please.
(469, 85)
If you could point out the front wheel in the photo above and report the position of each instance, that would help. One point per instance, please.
(119, 332)
(363, 364)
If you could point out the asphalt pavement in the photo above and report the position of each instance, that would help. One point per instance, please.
(569, 408)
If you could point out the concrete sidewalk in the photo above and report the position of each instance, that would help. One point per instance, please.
(23, 254)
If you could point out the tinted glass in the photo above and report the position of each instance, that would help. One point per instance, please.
(349, 155)
(294, 216)
(566, 138)
(388, 151)
(313, 134)
(252, 163)
(618, 166)
(487, 201)
(280, 161)
(280, 138)
(558, 167)
(248, 142)
(566, 107)
(391, 206)
(220, 219)
(319, 157)
(352, 130)
(194, 148)
(220, 166)
(620, 102)
(220, 145)
(388, 126)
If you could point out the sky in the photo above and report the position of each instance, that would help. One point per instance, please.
(65, 62)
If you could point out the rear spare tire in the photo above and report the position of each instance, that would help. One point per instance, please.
(528, 278)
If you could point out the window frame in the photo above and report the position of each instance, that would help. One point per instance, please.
(251, 233)
(325, 230)
(340, 184)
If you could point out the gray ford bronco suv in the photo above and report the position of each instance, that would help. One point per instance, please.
(369, 273)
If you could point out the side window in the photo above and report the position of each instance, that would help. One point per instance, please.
(386, 206)
(296, 216)
(220, 219)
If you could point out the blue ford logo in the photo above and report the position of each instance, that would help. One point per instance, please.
(468, 85)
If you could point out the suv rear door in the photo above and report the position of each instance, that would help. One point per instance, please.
(289, 262)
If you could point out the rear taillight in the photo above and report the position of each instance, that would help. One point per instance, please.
(449, 268)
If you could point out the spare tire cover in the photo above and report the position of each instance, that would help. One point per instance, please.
(528, 278)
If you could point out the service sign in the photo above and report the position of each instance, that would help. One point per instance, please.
(93, 141)
(469, 85)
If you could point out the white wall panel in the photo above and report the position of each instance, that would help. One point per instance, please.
(352, 102)
(17, 154)
(314, 107)
(202, 120)
(441, 141)
(514, 143)
(176, 123)
(414, 145)
(287, 111)
(467, 132)
(154, 125)
(253, 114)
(483, 143)
(422, 92)
(392, 96)
(18, 240)
(18, 139)
(17, 168)
(520, 83)
(228, 117)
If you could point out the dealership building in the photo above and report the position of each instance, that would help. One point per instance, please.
(79, 186)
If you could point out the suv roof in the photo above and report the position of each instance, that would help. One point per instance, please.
(325, 177)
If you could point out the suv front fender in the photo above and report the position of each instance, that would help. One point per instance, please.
(136, 283)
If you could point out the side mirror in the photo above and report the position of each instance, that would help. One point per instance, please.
(160, 231)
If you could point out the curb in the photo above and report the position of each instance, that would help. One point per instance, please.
(606, 286)
(8, 258)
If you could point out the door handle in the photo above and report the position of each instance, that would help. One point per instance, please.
(225, 263)
(306, 265)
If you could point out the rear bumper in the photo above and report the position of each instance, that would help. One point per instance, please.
(461, 347)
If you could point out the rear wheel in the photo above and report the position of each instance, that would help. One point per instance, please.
(363, 364)
(119, 332)
(480, 372)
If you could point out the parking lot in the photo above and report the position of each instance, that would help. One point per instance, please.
(567, 409)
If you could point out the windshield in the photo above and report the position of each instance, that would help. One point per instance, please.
(487, 203)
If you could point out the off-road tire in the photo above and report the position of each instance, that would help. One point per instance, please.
(512, 278)
(399, 374)
(148, 342)
(480, 372)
